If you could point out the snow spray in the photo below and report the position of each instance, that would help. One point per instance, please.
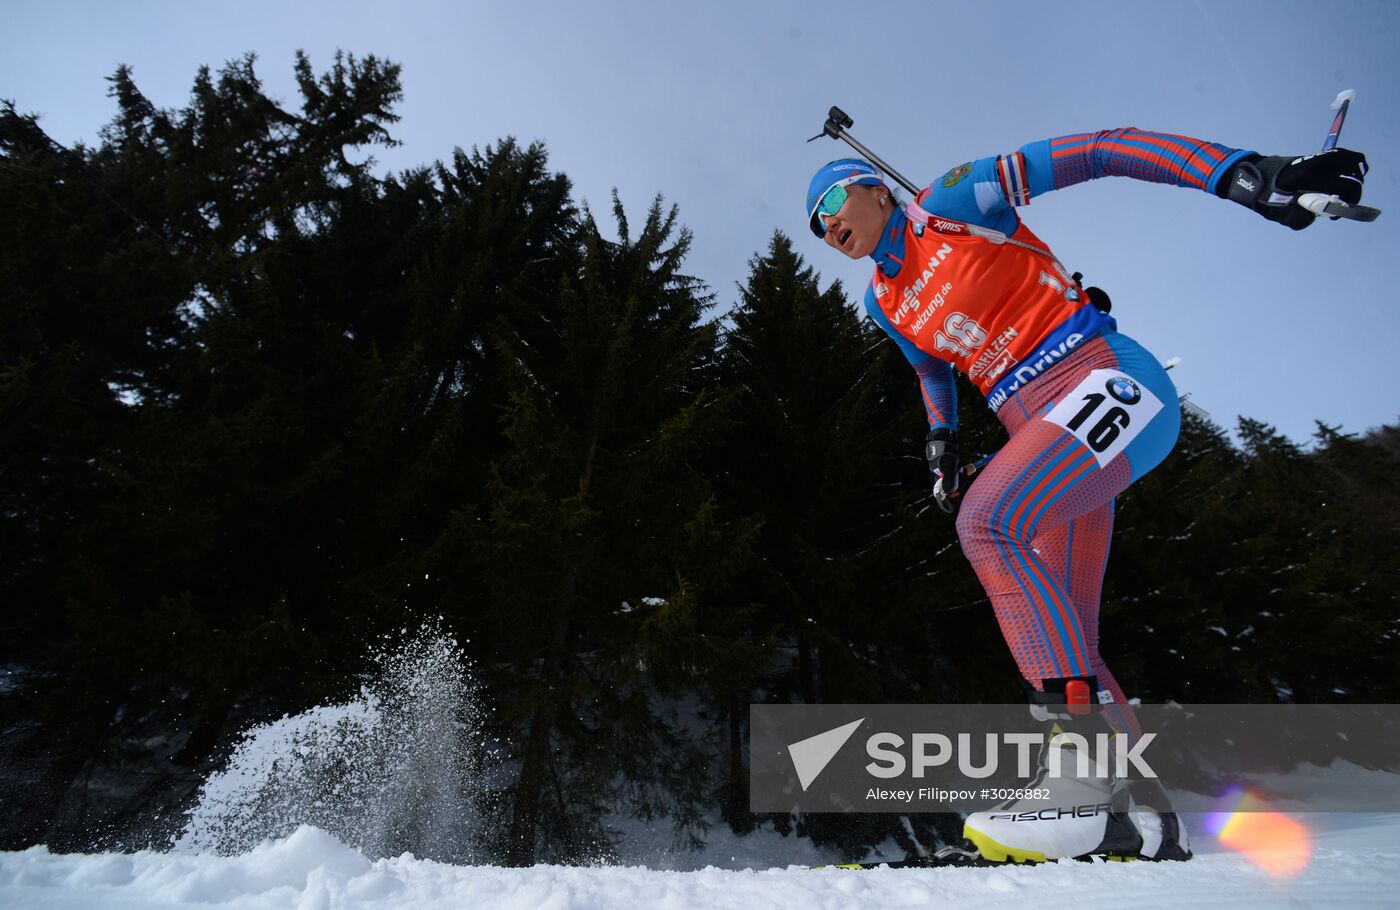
(397, 768)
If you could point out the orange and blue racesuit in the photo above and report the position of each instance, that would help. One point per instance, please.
(961, 282)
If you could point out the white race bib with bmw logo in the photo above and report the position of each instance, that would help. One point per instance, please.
(1106, 412)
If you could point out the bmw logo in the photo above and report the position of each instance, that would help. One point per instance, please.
(1124, 389)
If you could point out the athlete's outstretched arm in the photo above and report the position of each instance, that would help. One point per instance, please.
(985, 191)
(1054, 164)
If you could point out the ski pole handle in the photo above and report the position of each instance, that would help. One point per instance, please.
(1316, 202)
(1333, 206)
(1329, 205)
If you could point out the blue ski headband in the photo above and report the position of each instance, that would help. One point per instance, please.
(842, 172)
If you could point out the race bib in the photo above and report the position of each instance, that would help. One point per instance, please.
(1106, 412)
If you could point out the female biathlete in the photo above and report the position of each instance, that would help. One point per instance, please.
(961, 283)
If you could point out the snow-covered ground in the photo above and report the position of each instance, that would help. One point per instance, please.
(387, 771)
(1341, 861)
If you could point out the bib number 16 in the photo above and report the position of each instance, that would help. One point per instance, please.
(1106, 412)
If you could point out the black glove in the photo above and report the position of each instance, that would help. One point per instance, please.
(941, 450)
(1270, 184)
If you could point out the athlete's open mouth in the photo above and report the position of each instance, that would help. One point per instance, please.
(845, 235)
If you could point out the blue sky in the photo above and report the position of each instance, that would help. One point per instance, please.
(710, 104)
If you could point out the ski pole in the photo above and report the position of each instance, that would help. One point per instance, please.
(1322, 203)
(1340, 104)
(837, 122)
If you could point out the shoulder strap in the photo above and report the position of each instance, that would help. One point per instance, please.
(918, 215)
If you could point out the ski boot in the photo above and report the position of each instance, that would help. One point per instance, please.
(1163, 835)
(1093, 815)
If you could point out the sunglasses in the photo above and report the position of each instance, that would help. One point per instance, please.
(830, 204)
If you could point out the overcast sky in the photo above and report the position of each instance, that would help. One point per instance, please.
(709, 104)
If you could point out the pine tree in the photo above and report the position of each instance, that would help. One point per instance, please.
(587, 507)
(1251, 574)
(828, 444)
(175, 384)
